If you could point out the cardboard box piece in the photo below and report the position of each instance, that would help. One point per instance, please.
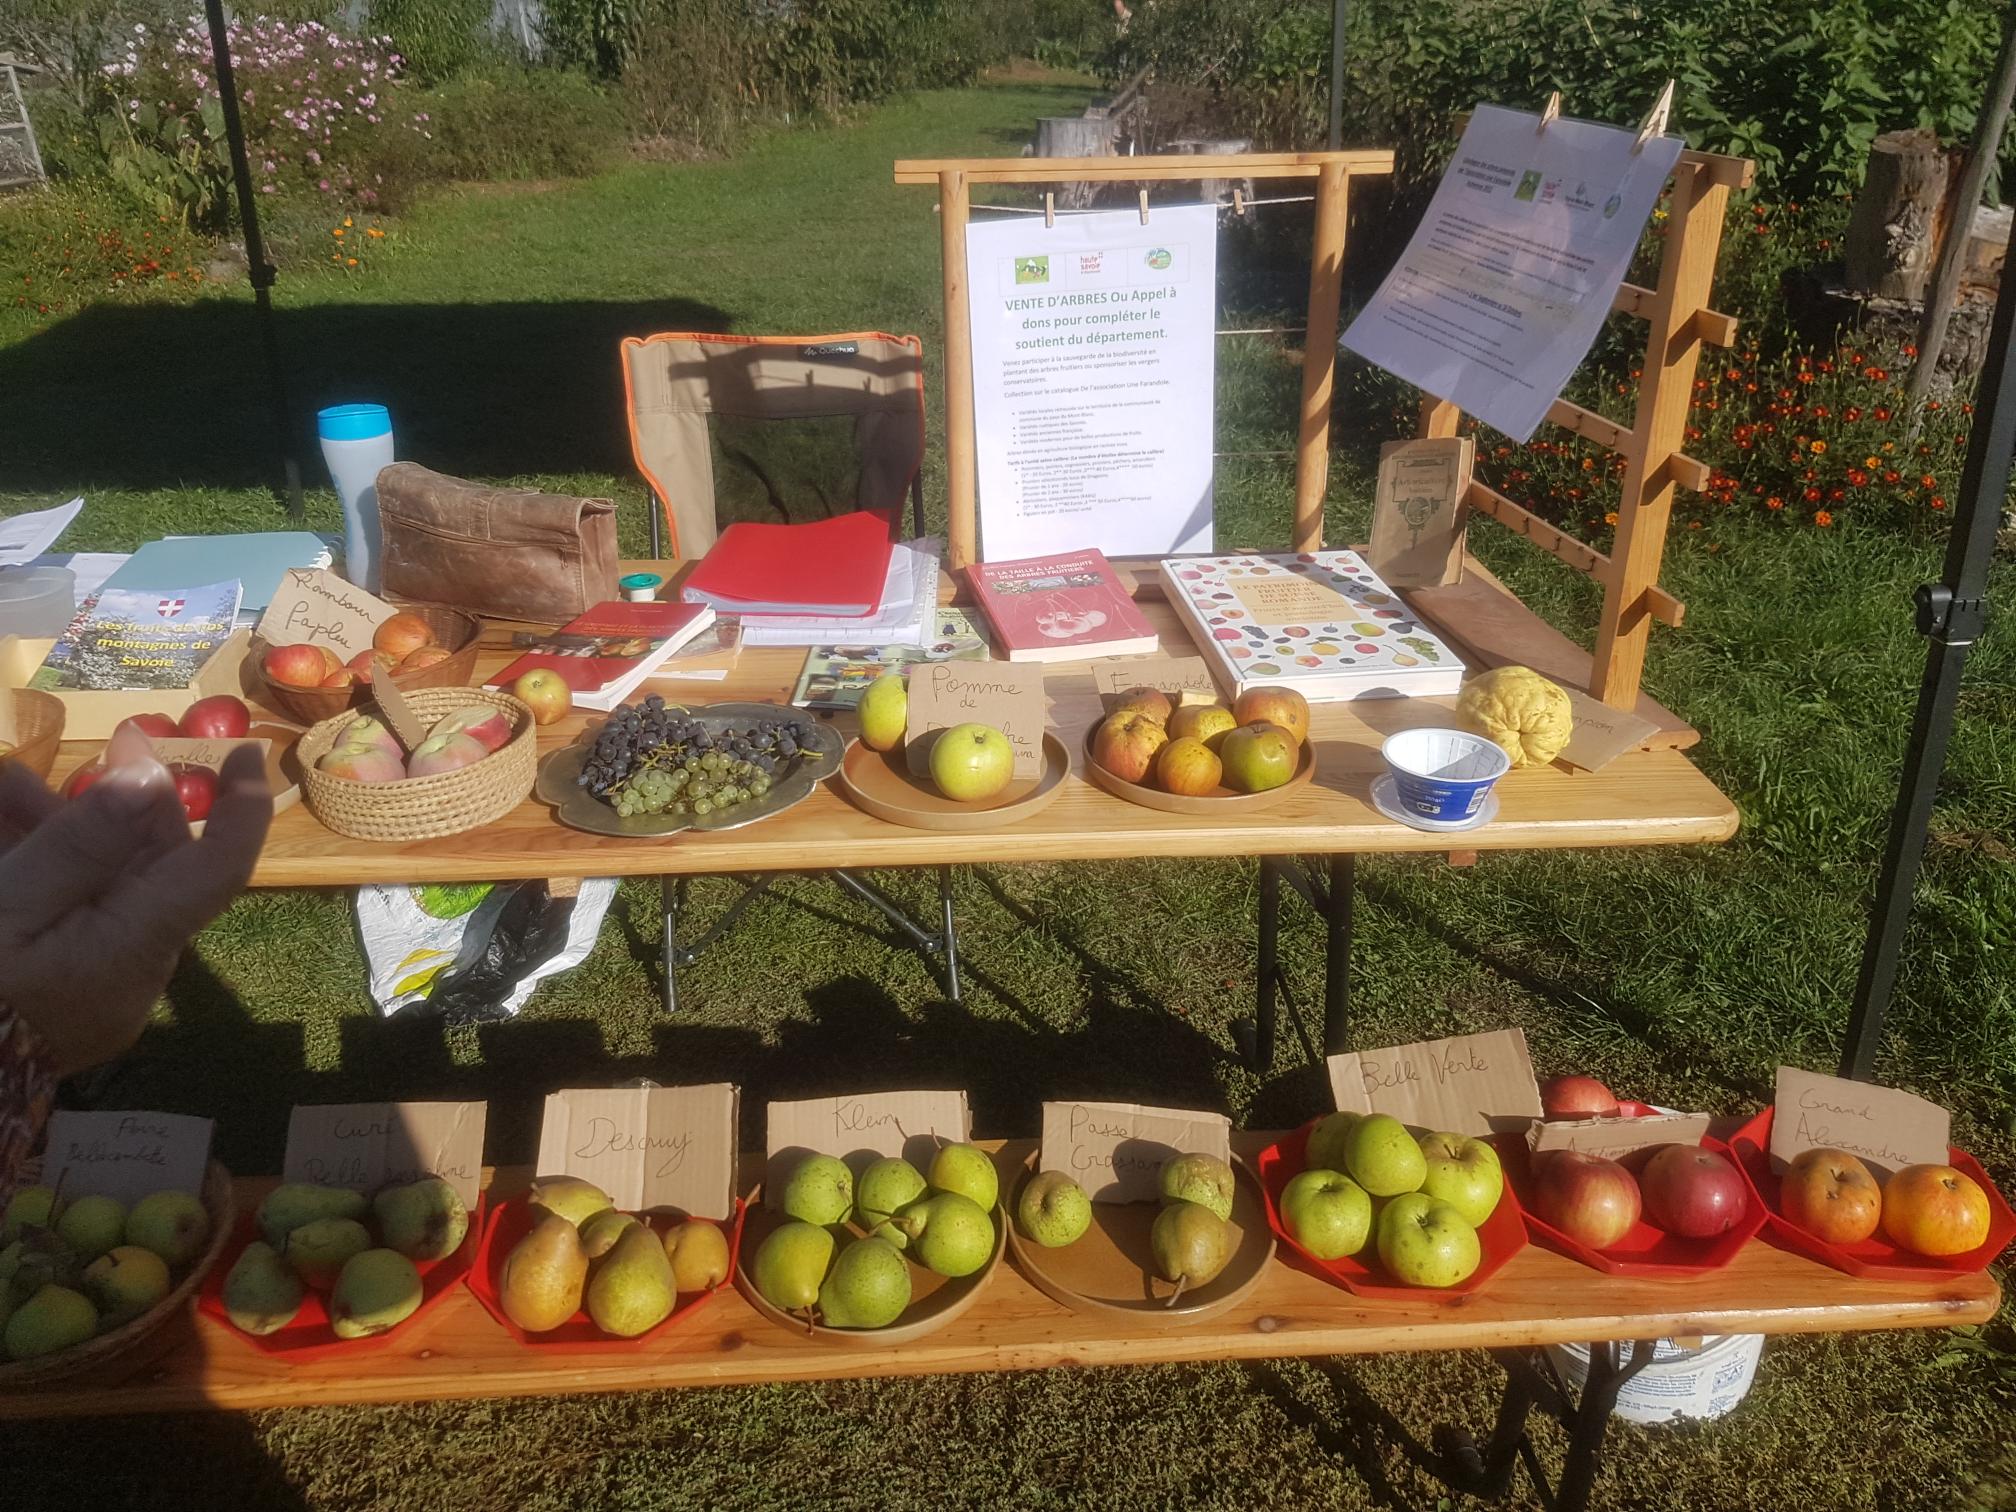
(1116, 1151)
(652, 1149)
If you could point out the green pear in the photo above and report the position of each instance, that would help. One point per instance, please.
(423, 1220)
(820, 1190)
(262, 1294)
(885, 712)
(952, 1234)
(377, 1291)
(968, 1170)
(698, 1251)
(175, 1225)
(10, 1262)
(632, 1290)
(544, 1274)
(41, 1258)
(318, 1251)
(1382, 1157)
(886, 1188)
(600, 1231)
(572, 1198)
(92, 1225)
(868, 1287)
(1203, 1179)
(1053, 1210)
(31, 1207)
(1328, 1141)
(1189, 1244)
(792, 1264)
(289, 1207)
(54, 1318)
(125, 1282)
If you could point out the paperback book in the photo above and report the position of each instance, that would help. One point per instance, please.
(140, 639)
(1068, 607)
(604, 654)
(835, 677)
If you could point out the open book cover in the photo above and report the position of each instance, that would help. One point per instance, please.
(1321, 622)
(604, 654)
(141, 639)
(1060, 608)
(835, 677)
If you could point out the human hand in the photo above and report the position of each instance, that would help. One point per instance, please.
(99, 894)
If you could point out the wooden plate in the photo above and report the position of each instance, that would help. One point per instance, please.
(935, 1300)
(1108, 1272)
(879, 783)
(1221, 800)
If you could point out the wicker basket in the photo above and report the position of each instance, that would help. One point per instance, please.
(460, 634)
(423, 808)
(114, 1353)
(38, 722)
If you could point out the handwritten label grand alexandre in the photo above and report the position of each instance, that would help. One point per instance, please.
(1885, 1127)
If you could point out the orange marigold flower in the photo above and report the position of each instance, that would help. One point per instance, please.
(1819, 447)
(1871, 462)
(1928, 481)
(1774, 502)
(1822, 518)
(1937, 502)
(1812, 496)
(1610, 518)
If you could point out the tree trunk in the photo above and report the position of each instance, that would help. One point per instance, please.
(1075, 137)
(1894, 229)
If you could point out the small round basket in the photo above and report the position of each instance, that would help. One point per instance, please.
(38, 722)
(424, 808)
(114, 1354)
(457, 633)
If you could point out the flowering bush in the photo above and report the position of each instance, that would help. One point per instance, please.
(67, 248)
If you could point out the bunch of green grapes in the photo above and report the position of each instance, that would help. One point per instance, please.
(697, 783)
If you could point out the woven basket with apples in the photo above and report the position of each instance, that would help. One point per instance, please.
(476, 764)
(1197, 757)
(425, 647)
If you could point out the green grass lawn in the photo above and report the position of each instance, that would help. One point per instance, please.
(488, 320)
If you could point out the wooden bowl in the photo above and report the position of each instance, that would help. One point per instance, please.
(112, 1355)
(38, 720)
(459, 633)
(423, 808)
(880, 783)
(1219, 802)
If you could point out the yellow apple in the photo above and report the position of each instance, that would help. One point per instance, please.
(1187, 766)
(1205, 722)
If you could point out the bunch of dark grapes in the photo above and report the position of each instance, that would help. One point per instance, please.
(650, 759)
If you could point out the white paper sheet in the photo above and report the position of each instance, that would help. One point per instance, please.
(24, 537)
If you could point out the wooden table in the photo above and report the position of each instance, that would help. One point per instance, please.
(458, 1350)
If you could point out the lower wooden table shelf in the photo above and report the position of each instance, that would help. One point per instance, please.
(458, 1350)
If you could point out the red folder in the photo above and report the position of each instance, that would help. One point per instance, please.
(835, 566)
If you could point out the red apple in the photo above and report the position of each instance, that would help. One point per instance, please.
(1592, 1200)
(1187, 766)
(363, 763)
(1276, 706)
(1150, 701)
(546, 694)
(364, 730)
(1935, 1210)
(445, 753)
(1576, 1097)
(196, 786)
(426, 656)
(1257, 757)
(1126, 743)
(302, 666)
(219, 717)
(484, 722)
(1693, 1192)
(1831, 1195)
(82, 778)
(363, 664)
(342, 677)
(403, 634)
(153, 726)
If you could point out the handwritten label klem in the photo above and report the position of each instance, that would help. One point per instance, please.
(1887, 1128)
(1116, 1151)
(1471, 1084)
(126, 1155)
(365, 1146)
(649, 1148)
(860, 1127)
(314, 605)
(1006, 695)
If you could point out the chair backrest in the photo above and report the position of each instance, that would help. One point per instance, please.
(674, 383)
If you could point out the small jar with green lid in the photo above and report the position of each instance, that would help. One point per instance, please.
(640, 587)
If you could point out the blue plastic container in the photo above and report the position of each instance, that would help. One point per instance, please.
(1443, 775)
(357, 445)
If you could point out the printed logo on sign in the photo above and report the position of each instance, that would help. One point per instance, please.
(1610, 205)
(1032, 270)
(1090, 262)
(169, 608)
(1159, 258)
(1529, 184)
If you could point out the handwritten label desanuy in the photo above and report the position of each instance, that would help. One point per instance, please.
(126, 1155)
(649, 1148)
(1887, 1128)
(859, 1127)
(314, 605)
(1471, 1084)
(1116, 1151)
(365, 1146)
(1006, 695)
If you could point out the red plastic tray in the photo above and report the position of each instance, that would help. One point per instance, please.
(1875, 1257)
(309, 1337)
(1645, 1251)
(510, 1221)
(1502, 1236)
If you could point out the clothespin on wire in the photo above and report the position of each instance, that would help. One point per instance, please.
(1144, 207)
(1049, 209)
(1654, 123)
(1238, 201)
(1550, 112)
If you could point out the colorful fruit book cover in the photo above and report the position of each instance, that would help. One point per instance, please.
(835, 677)
(1060, 608)
(1322, 622)
(611, 647)
(141, 638)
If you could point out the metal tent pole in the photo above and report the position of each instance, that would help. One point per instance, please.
(1951, 613)
(261, 272)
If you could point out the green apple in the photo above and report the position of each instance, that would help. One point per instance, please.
(92, 1226)
(1258, 756)
(968, 1170)
(1463, 1172)
(1382, 1157)
(1327, 1213)
(884, 711)
(30, 1207)
(1424, 1242)
(971, 762)
(1327, 1141)
(820, 1189)
(1053, 1210)
(1203, 1179)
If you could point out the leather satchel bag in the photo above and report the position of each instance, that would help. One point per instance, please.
(505, 553)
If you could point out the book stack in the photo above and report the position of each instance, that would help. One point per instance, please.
(1060, 608)
(836, 581)
(604, 654)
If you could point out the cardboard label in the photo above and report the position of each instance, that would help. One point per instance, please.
(126, 1155)
(1116, 1151)
(1602, 733)
(1006, 695)
(177, 751)
(400, 719)
(1887, 1128)
(314, 605)
(1471, 1084)
(860, 1128)
(366, 1146)
(649, 1148)
(1186, 679)
(1612, 1137)
(1418, 513)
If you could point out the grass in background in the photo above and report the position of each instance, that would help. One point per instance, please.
(489, 322)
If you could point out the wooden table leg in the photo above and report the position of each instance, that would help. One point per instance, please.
(1337, 912)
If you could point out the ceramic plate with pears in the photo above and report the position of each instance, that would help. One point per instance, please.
(1190, 1256)
(316, 1269)
(562, 1269)
(893, 1250)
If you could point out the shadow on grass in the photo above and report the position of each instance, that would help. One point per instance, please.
(1356, 1433)
(164, 396)
(215, 1458)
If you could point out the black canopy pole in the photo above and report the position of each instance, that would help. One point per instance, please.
(261, 272)
(1952, 613)
(1337, 74)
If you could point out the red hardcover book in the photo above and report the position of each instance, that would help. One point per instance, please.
(606, 652)
(835, 566)
(1059, 608)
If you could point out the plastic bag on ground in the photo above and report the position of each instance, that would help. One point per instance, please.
(475, 950)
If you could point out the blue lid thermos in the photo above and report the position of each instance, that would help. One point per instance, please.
(356, 445)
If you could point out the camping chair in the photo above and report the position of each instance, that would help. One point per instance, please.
(691, 397)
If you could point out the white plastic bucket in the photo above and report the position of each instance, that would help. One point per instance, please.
(1684, 1381)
